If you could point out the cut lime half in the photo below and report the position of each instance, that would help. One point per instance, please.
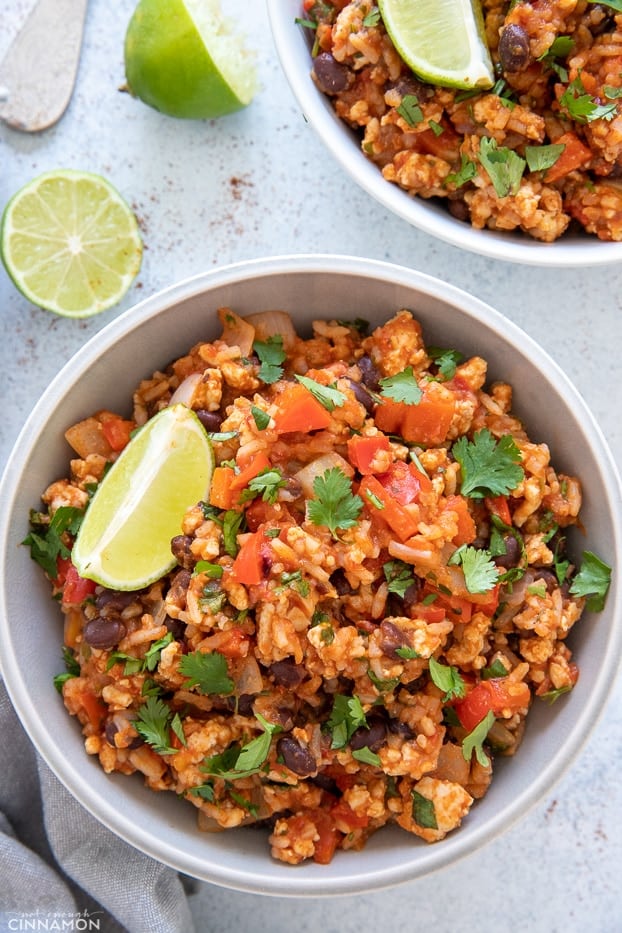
(443, 41)
(124, 542)
(70, 243)
(183, 58)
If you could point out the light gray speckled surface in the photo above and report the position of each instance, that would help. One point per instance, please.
(259, 183)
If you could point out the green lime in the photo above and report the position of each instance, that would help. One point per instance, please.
(124, 542)
(182, 58)
(442, 41)
(70, 243)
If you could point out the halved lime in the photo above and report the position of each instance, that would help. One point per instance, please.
(124, 542)
(70, 243)
(443, 41)
(182, 57)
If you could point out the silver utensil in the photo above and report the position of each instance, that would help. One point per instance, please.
(38, 73)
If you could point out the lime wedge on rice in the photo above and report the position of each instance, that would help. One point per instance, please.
(182, 58)
(70, 243)
(443, 41)
(124, 541)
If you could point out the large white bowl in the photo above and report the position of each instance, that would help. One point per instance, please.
(293, 48)
(104, 373)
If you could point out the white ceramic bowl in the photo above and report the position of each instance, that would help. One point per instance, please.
(293, 48)
(103, 374)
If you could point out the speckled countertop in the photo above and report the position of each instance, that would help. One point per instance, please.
(259, 183)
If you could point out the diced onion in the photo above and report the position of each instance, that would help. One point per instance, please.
(236, 331)
(185, 390)
(308, 473)
(273, 323)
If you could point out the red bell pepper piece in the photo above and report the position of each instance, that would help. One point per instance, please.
(496, 695)
(298, 410)
(363, 450)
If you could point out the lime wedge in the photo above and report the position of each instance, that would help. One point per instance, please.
(182, 58)
(124, 542)
(442, 41)
(70, 243)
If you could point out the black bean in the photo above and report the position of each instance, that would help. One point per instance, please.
(410, 86)
(103, 633)
(397, 727)
(176, 627)
(362, 395)
(339, 581)
(373, 738)
(296, 757)
(210, 420)
(458, 209)
(548, 577)
(245, 704)
(392, 638)
(180, 546)
(514, 51)
(512, 553)
(113, 601)
(412, 595)
(369, 374)
(110, 731)
(332, 77)
(287, 673)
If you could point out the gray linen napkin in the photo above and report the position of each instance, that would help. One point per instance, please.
(62, 870)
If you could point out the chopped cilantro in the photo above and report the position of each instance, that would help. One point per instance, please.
(335, 506)
(232, 524)
(152, 657)
(423, 812)
(446, 360)
(132, 665)
(367, 756)
(582, 107)
(448, 679)
(260, 417)
(359, 324)
(488, 467)
(436, 128)
(244, 802)
(372, 18)
(407, 653)
(383, 684)
(204, 791)
(474, 741)
(375, 501)
(612, 93)
(153, 723)
(46, 540)
(346, 717)
(537, 589)
(266, 484)
(271, 354)
(212, 598)
(399, 575)
(466, 172)
(552, 695)
(402, 387)
(559, 48)
(480, 572)
(178, 729)
(409, 110)
(219, 437)
(207, 671)
(307, 23)
(296, 580)
(328, 396)
(592, 580)
(504, 167)
(248, 760)
(72, 669)
(213, 571)
(540, 158)
(496, 669)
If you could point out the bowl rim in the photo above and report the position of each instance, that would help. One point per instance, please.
(33, 718)
(581, 250)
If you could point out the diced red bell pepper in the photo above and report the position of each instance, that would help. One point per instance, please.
(329, 837)
(298, 410)
(117, 432)
(252, 469)
(496, 695)
(467, 532)
(425, 423)
(344, 815)
(220, 493)
(363, 450)
(75, 588)
(248, 566)
(392, 513)
(575, 155)
(405, 482)
(499, 506)
(94, 708)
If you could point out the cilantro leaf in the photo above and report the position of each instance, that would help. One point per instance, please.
(474, 741)
(448, 679)
(409, 109)
(204, 791)
(328, 396)
(207, 671)
(72, 669)
(271, 354)
(466, 172)
(504, 167)
(372, 18)
(335, 505)
(260, 417)
(582, 107)
(383, 684)
(152, 656)
(399, 575)
(46, 540)
(446, 360)
(480, 572)
(247, 760)
(346, 717)
(496, 669)
(368, 757)
(489, 467)
(266, 484)
(402, 387)
(592, 580)
(212, 571)
(153, 723)
(423, 811)
(358, 324)
(233, 522)
(540, 158)
(407, 653)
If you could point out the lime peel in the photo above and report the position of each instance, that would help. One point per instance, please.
(443, 41)
(70, 243)
(183, 58)
(124, 542)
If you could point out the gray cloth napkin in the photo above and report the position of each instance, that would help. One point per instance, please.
(62, 870)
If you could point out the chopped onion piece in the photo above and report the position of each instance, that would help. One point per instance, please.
(307, 474)
(273, 323)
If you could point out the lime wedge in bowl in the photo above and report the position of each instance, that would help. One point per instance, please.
(70, 243)
(124, 542)
(443, 41)
(183, 59)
